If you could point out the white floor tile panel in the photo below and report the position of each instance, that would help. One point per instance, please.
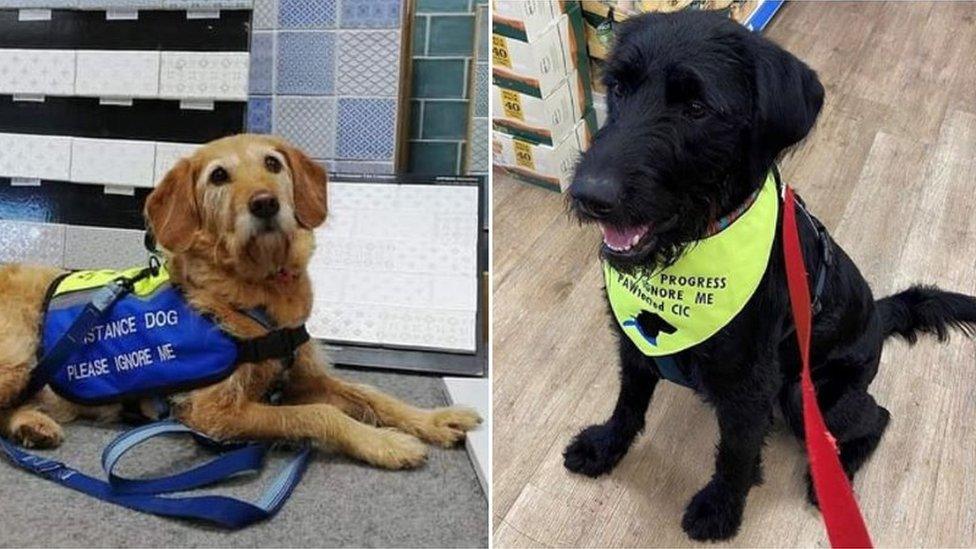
(397, 265)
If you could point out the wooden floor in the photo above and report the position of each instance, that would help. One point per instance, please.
(890, 169)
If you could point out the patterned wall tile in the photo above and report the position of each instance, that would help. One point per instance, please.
(32, 243)
(103, 248)
(308, 122)
(113, 162)
(208, 4)
(305, 64)
(265, 15)
(481, 89)
(41, 72)
(368, 63)
(374, 14)
(38, 3)
(306, 14)
(260, 114)
(367, 129)
(204, 75)
(35, 156)
(478, 145)
(262, 62)
(128, 74)
(168, 154)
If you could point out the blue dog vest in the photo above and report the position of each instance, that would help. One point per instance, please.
(117, 336)
(149, 342)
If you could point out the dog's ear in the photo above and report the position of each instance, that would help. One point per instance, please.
(171, 208)
(788, 98)
(309, 181)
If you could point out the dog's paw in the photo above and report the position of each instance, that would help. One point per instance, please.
(33, 429)
(447, 426)
(595, 451)
(714, 513)
(392, 449)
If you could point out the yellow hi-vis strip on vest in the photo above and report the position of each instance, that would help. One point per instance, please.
(678, 307)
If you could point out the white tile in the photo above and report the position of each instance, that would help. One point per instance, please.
(35, 156)
(167, 154)
(204, 75)
(117, 73)
(37, 72)
(113, 162)
(32, 243)
(474, 392)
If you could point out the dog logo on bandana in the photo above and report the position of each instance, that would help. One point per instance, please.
(650, 326)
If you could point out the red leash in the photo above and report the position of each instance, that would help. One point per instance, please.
(841, 515)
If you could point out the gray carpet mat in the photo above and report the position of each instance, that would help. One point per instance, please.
(339, 502)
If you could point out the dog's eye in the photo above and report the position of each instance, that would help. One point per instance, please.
(696, 109)
(272, 164)
(219, 176)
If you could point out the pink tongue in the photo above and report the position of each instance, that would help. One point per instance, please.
(622, 238)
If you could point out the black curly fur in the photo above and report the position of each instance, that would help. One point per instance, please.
(699, 109)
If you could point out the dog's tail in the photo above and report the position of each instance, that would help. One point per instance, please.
(927, 310)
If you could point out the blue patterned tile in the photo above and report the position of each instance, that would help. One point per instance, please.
(367, 129)
(259, 115)
(306, 14)
(262, 62)
(308, 122)
(368, 62)
(306, 64)
(478, 145)
(372, 14)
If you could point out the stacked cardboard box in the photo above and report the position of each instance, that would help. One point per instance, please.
(542, 115)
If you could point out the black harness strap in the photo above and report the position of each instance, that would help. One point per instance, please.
(278, 344)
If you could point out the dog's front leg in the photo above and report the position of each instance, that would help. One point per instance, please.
(597, 449)
(311, 382)
(323, 423)
(715, 512)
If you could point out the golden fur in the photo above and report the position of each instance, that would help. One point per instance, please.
(225, 260)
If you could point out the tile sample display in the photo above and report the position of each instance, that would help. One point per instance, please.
(125, 74)
(35, 156)
(37, 72)
(33, 243)
(203, 75)
(113, 162)
(168, 154)
(326, 76)
(397, 265)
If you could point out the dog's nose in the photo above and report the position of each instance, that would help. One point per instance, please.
(595, 196)
(264, 205)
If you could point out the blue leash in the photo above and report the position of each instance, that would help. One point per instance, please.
(144, 494)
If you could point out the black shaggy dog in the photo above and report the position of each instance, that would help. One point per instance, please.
(699, 110)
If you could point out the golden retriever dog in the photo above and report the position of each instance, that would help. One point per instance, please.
(235, 222)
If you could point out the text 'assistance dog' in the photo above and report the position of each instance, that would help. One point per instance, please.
(682, 183)
(214, 331)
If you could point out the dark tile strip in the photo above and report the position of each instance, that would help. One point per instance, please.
(71, 204)
(148, 119)
(153, 30)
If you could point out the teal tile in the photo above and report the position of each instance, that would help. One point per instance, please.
(433, 157)
(445, 120)
(416, 118)
(419, 35)
(443, 6)
(438, 78)
(451, 35)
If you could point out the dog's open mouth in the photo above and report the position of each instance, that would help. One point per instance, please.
(632, 242)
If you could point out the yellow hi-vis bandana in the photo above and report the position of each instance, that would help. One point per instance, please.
(680, 306)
